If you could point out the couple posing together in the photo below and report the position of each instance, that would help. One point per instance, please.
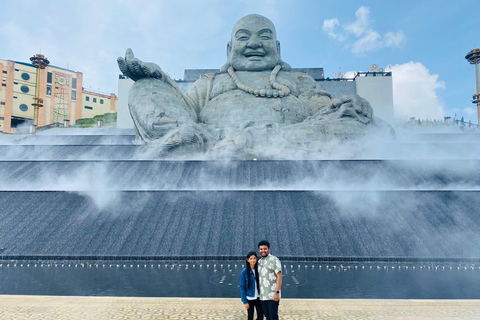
(260, 283)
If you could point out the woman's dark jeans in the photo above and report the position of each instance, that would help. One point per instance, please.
(255, 304)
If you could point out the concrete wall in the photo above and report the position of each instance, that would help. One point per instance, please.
(124, 120)
(379, 92)
(338, 87)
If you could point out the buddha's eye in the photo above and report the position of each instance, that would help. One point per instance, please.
(265, 35)
(242, 36)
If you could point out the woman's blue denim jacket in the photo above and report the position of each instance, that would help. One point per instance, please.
(244, 291)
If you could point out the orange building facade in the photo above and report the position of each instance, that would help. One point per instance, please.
(61, 90)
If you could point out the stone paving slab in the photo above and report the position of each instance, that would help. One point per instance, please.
(66, 308)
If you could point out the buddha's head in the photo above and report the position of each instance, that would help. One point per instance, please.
(254, 45)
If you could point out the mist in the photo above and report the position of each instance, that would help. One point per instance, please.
(105, 159)
(391, 190)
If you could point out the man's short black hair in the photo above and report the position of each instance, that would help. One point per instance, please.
(264, 243)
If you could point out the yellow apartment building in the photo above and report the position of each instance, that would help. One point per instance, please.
(61, 90)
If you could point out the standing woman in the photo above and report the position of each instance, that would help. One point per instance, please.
(250, 287)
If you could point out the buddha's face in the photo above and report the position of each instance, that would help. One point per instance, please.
(254, 46)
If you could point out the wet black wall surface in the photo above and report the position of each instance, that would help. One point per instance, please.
(428, 224)
(321, 175)
(106, 195)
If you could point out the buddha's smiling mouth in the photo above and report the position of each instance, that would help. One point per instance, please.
(254, 54)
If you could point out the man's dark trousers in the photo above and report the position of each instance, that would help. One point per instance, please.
(270, 309)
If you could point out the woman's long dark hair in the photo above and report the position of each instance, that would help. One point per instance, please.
(257, 280)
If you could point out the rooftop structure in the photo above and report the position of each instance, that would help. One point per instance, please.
(60, 91)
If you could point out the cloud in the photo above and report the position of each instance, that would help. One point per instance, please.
(359, 26)
(371, 41)
(329, 28)
(394, 39)
(470, 111)
(415, 92)
(361, 36)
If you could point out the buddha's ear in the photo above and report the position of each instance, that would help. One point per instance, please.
(227, 65)
(278, 48)
(229, 48)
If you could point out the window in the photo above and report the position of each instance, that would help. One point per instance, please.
(17, 70)
(4, 84)
(87, 98)
(15, 97)
(74, 83)
(2, 103)
(25, 76)
(101, 101)
(49, 90)
(5, 71)
(2, 118)
(94, 99)
(49, 77)
(89, 108)
(24, 107)
(24, 89)
(74, 95)
(15, 82)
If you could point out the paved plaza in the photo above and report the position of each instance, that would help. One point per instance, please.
(66, 308)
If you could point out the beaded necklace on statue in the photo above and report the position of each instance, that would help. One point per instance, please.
(278, 91)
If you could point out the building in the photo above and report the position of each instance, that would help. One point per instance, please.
(375, 86)
(61, 90)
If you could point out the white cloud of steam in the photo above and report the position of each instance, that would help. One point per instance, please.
(96, 186)
(361, 36)
(349, 203)
(415, 92)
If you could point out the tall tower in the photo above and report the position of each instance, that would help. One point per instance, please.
(39, 61)
(473, 57)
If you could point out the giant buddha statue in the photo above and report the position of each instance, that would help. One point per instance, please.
(254, 103)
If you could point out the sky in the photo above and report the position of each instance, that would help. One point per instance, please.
(423, 43)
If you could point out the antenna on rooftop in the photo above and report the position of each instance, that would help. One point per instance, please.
(372, 68)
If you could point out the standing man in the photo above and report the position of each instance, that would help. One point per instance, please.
(270, 272)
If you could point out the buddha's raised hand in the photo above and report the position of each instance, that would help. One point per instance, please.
(136, 69)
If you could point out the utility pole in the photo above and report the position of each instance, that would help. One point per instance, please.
(39, 61)
(474, 57)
